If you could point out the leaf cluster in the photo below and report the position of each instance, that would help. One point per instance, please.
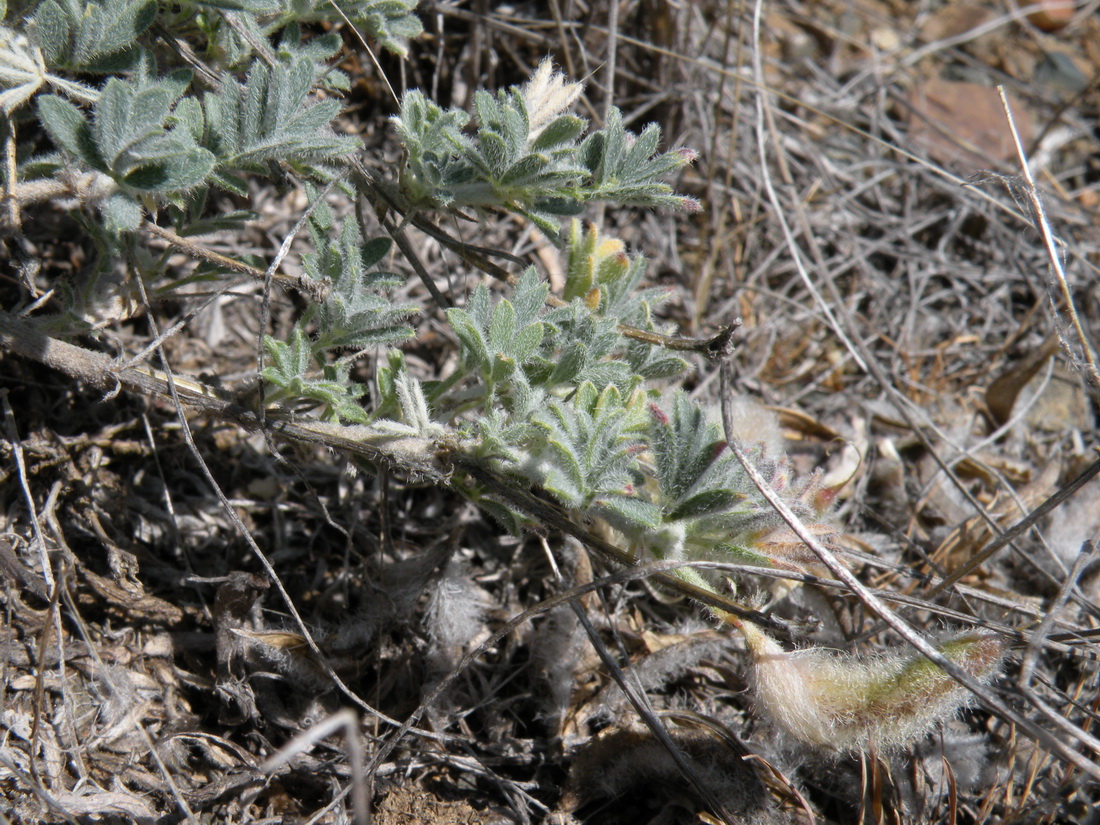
(585, 453)
(151, 136)
(153, 142)
(144, 135)
(559, 398)
(269, 117)
(392, 23)
(139, 137)
(528, 156)
(99, 36)
(355, 315)
(705, 494)
(499, 341)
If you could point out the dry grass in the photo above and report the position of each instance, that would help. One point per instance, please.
(909, 331)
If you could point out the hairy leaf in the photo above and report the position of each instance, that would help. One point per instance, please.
(586, 453)
(355, 314)
(269, 117)
(92, 36)
(497, 340)
(525, 156)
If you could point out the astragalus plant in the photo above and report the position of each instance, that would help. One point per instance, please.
(560, 409)
(563, 400)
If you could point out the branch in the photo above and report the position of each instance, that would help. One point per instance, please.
(316, 291)
(408, 454)
(428, 459)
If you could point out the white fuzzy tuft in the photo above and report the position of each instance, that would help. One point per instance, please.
(456, 610)
(546, 96)
(753, 423)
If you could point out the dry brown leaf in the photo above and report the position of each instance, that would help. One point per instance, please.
(1002, 393)
(962, 125)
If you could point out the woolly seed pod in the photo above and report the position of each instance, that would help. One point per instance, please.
(850, 703)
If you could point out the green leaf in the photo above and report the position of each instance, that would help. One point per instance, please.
(502, 328)
(52, 30)
(94, 36)
(288, 374)
(626, 170)
(68, 129)
(527, 341)
(493, 151)
(135, 137)
(501, 340)
(541, 173)
(391, 22)
(188, 117)
(653, 363)
(639, 154)
(563, 130)
(255, 7)
(587, 451)
(289, 361)
(685, 444)
(631, 515)
(474, 351)
(708, 502)
(355, 314)
(269, 117)
(529, 299)
(525, 170)
(122, 213)
(587, 345)
(168, 165)
(375, 250)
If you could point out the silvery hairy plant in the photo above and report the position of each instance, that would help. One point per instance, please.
(563, 396)
(527, 155)
(154, 144)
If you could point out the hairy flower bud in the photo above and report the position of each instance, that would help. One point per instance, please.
(547, 94)
(850, 703)
(691, 205)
